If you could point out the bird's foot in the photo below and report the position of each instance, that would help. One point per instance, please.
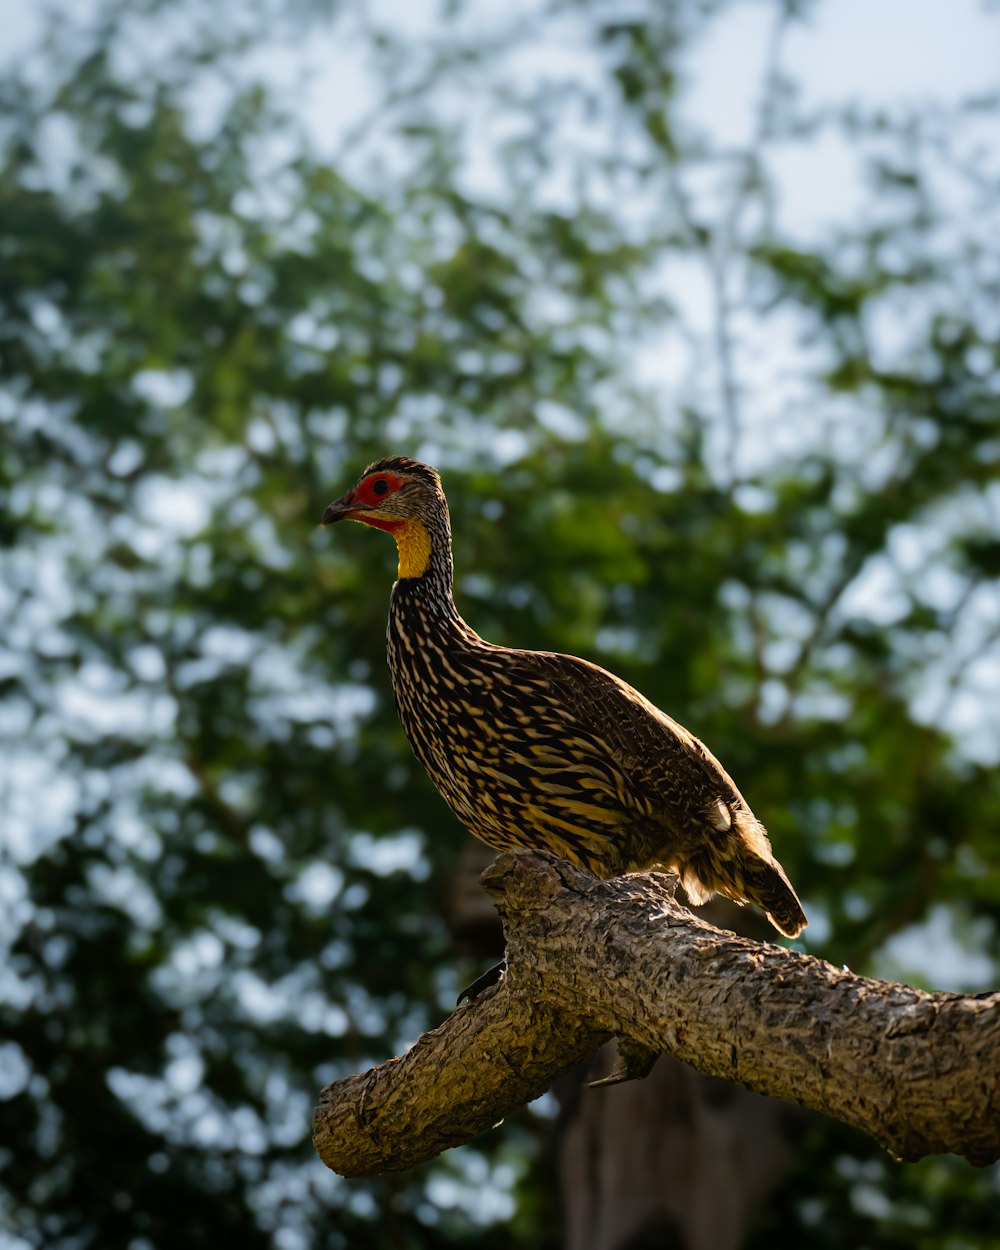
(491, 977)
(632, 1064)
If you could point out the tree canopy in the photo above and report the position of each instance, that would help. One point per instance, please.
(749, 466)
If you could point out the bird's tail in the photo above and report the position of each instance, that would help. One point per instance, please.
(765, 883)
(741, 866)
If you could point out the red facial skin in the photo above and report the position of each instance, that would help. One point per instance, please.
(365, 494)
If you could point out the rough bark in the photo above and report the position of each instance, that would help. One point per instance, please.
(589, 959)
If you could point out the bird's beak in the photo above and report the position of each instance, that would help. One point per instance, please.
(341, 510)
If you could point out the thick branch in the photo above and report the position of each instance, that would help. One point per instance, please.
(588, 959)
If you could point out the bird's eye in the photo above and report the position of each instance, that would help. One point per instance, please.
(380, 487)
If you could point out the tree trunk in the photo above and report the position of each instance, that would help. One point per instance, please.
(642, 1165)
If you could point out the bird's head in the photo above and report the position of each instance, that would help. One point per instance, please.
(403, 497)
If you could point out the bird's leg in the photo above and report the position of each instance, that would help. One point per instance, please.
(491, 977)
(633, 1063)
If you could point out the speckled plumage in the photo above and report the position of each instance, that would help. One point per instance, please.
(533, 748)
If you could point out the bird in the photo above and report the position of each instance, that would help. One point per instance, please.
(548, 751)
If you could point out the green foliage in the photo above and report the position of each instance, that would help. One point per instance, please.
(227, 878)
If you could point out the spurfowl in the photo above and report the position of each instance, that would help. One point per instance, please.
(536, 749)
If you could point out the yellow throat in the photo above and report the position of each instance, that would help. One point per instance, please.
(414, 544)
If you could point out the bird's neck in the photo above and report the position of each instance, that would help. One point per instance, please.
(422, 609)
(425, 556)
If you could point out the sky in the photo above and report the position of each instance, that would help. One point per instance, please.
(882, 52)
(879, 53)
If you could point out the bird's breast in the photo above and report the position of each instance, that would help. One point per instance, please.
(507, 751)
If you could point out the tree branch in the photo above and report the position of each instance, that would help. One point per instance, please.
(588, 959)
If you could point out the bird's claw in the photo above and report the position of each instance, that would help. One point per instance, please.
(632, 1064)
(492, 976)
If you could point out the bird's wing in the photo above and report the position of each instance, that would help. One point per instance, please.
(665, 764)
(688, 813)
